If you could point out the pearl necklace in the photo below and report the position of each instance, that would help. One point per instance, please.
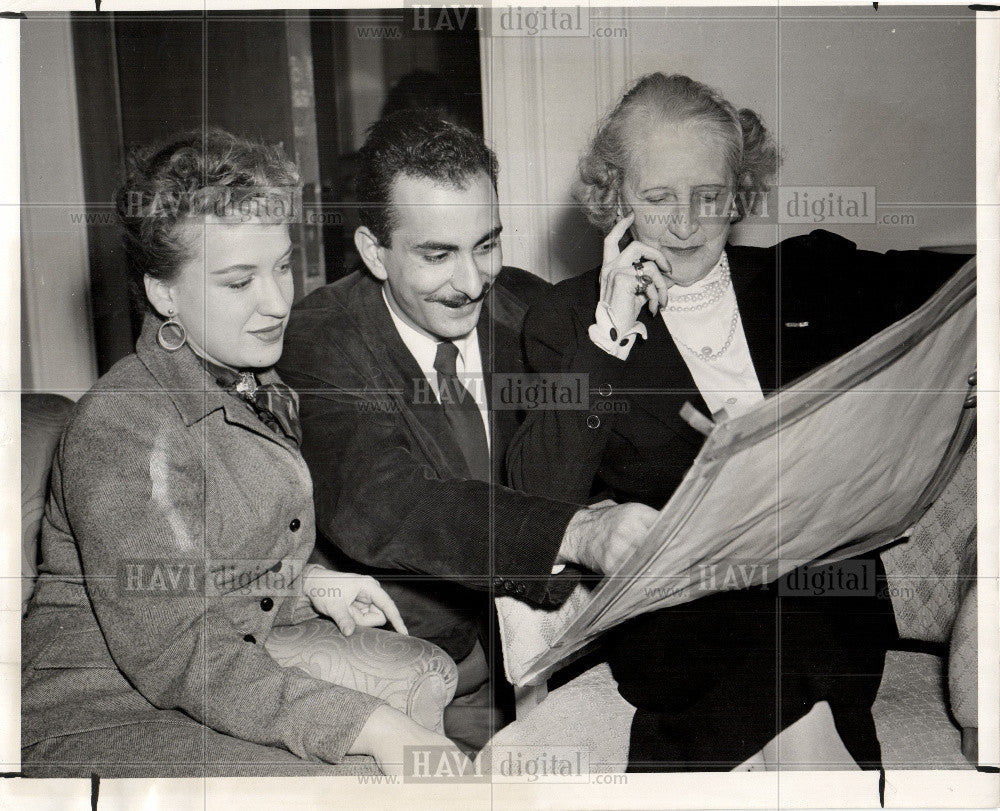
(703, 299)
(706, 354)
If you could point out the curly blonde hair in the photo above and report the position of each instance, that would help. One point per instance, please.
(751, 154)
(194, 174)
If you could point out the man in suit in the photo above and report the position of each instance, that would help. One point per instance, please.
(394, 366)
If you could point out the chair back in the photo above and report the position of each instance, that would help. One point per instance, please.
(43, 417)
(929, 574)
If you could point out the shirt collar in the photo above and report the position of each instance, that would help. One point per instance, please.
(424, 348)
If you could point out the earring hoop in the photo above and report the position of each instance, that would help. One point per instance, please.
(163, 335)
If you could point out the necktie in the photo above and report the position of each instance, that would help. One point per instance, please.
(275, 404)
(462, 413)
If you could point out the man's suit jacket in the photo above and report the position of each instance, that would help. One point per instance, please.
(393, 494)
(176, 526)
(802, 302)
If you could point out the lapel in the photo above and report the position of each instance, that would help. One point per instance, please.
(659, 380)
(192, 389)
(500, 348)
(394, 368)
(237, 413)
(755, 283)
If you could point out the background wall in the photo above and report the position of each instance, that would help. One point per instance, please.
(57, 340)
(855, 97)
(94, 85)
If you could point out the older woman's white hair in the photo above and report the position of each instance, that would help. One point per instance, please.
(750, 151)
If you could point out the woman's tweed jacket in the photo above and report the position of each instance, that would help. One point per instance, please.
(173, 541)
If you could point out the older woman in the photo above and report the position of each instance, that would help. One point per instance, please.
(685, 327)
(181, 516)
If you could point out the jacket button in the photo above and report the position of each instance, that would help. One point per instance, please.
(276, 567)
(593, 421)
(266, 604)
(250, 638)
(520, 588)
(605, 390)
(294, 525)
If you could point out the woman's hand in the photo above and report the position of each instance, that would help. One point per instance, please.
(388, 732)
(351, 600)
(619, 277)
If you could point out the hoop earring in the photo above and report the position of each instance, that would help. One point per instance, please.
(163, 334)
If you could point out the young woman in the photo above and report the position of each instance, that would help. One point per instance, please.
(181, 516)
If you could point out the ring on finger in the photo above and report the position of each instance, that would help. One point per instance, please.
(642, 280)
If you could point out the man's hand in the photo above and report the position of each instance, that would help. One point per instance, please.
(351, 600)
(602, 536)
(386, 734)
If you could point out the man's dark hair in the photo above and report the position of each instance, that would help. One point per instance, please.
(417, 144)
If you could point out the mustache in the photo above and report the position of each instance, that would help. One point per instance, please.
(464, 299)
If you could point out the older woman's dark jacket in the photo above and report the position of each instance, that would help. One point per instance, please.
(803, 302)
(162, 483)
(715, 679)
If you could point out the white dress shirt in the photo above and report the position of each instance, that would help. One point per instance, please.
(704, 321)
(468, 365)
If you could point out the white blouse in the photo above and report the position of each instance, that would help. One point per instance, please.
(704, 321)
